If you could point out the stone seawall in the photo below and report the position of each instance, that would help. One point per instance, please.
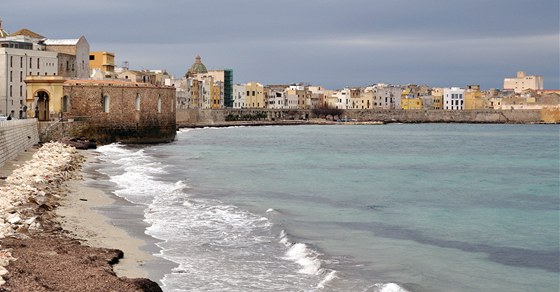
(16, 136)
(193, 117)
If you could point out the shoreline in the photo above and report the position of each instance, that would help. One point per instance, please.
(118, 224)
(330, 122)
(53, 237)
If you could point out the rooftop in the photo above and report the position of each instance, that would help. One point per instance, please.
(27, 32)
(61, 42)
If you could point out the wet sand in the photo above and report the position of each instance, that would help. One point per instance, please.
(100, 219)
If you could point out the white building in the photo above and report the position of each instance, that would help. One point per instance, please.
(26, 53)
(291, 96)
(386, 96)
(239, 95)
(317, 96)
(453, 98)
(342, 98)
(180, 91)
(276, 99)
(18, 60)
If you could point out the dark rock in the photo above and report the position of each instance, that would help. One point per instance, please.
(80, 142)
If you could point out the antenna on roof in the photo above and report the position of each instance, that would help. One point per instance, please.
(125, 65)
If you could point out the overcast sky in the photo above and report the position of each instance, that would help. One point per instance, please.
(333, 43)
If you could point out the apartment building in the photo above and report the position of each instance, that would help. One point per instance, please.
(26, 53)
(239, 96)
(523, 82)
(453, 98)
(255, 95)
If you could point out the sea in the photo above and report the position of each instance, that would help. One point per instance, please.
(395, 207)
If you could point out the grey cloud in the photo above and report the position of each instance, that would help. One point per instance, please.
(329, 42)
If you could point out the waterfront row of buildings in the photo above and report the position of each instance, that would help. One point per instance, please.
(391, 97)
(26, 54)
(214, 89)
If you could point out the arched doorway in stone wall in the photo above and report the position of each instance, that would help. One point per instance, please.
(42, 106)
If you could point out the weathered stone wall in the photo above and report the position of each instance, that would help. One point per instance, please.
(213, 117)
(123, 122)
(55, 131)
(16, 136)
(446, 116)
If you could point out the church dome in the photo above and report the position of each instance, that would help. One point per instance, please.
(197, 67)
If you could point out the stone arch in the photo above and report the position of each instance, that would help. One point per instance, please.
(42, 100)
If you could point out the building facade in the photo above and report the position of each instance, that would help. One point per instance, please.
(239, 96)
(26, 53)
(104, 61)
(112, 110)
(73, 56)
(454, 98)
(255, 95)
(16, 63)
(523, 82)
(387, 96)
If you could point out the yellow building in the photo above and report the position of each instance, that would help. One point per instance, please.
(437, 93)
(366, 99)
(103, 61)
(475, 99)
(329, 99)
(411, 103)
(216, 95)
(355, 98)
(44, 97)
(195, 90)
(255, 95)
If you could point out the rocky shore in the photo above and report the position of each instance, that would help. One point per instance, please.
(36, 253)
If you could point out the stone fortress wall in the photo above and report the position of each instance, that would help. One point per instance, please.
(194, 117)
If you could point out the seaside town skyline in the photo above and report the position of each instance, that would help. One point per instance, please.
(259, 145)
(317, 44)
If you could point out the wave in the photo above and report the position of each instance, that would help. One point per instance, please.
(133, 172)
(308, 258)
(388, 287)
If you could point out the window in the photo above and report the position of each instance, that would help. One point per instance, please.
(91, 57)
(30, 62)
(65, 103)
(21, 62)
(10, 91)
(20, 76)
(11, 61)
(137, 102)
(11, 76)
(105, 101)
(159, 104)
(21, 91)
(38, 62)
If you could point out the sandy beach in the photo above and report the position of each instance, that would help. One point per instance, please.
(58, 239)
(86, 204)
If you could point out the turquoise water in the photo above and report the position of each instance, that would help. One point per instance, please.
(417, 207)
